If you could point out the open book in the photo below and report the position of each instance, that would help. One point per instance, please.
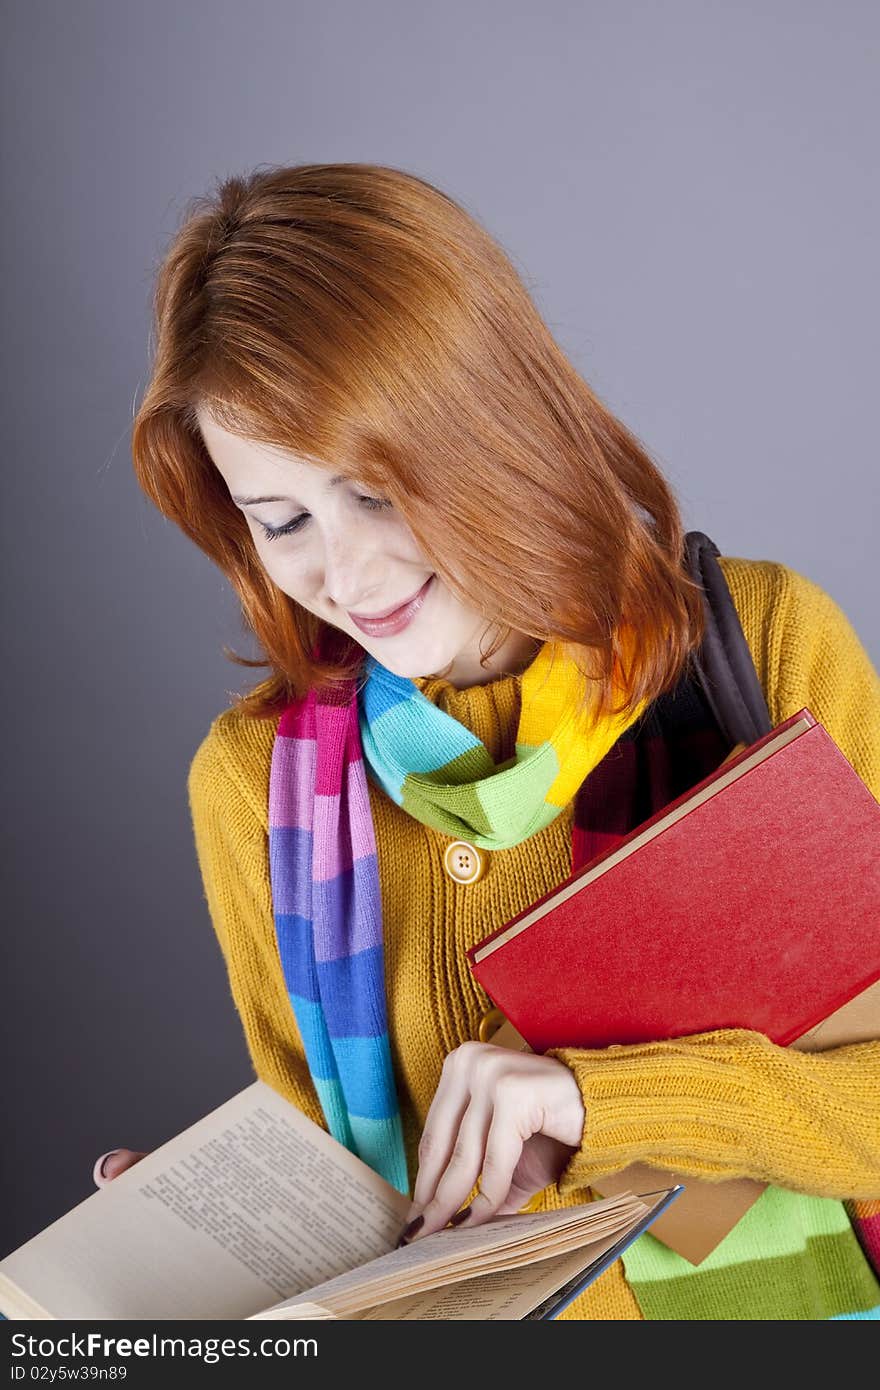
(254, 1211)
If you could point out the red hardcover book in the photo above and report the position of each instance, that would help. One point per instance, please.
(751, 901)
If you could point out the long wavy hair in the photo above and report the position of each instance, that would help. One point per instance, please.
(360, 318)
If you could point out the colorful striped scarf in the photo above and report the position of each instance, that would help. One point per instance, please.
(324, 867)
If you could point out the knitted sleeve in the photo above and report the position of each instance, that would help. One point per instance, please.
(232, 848)
(730, 1103)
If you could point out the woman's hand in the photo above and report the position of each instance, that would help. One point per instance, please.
(109, 1165)
(510, 1119)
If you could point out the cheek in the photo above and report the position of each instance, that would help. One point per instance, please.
(449, 599)
(283, 569)
(395, 536)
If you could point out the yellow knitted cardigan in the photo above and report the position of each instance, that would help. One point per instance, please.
(811, 1119)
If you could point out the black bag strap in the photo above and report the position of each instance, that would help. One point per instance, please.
(723, 664)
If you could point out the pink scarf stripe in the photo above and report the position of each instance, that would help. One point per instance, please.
(340, 855)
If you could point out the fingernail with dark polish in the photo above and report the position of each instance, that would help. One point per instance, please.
(410, 1230)
(460, 1216)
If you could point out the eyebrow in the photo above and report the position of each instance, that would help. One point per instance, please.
(252, 501)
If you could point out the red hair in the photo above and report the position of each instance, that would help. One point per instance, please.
(358, 317)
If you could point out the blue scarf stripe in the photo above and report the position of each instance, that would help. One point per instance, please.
(294, 935)
(365, 1063)
(382, 690)
(367, 1076)
(313, 1031)
(350, 987)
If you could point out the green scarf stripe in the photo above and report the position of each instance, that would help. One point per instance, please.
(452, 777)
(447, 778)
(815, 1262)
(824, 1280)
(540, 818)
(454, 811)
(782, 1221)
(535, 771)
(486, 812)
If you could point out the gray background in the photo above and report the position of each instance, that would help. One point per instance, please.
(689, 189)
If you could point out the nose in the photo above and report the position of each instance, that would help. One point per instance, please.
(347, 582)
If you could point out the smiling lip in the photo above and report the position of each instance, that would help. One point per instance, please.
(394, 620)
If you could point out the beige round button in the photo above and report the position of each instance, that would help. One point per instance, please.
(464, 862)
(490, 1023)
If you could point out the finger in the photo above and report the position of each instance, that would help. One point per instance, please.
(517, 1198)
(514, 1203)
(504, 1146)
(109, 1165)
(462, 1172)
(442, 1122)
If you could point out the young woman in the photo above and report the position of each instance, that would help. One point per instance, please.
(466, 576)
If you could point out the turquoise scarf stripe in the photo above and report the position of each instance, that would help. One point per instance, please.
(362, 1134)
(402, 732)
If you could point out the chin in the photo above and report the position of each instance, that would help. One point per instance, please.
(414, 667)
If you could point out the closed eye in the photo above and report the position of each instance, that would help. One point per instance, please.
(271, 533)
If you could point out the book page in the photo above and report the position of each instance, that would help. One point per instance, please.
(250, 1204)
(456, 1253)
(505, 1295)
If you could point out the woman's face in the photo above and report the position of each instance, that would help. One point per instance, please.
(348, 556)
